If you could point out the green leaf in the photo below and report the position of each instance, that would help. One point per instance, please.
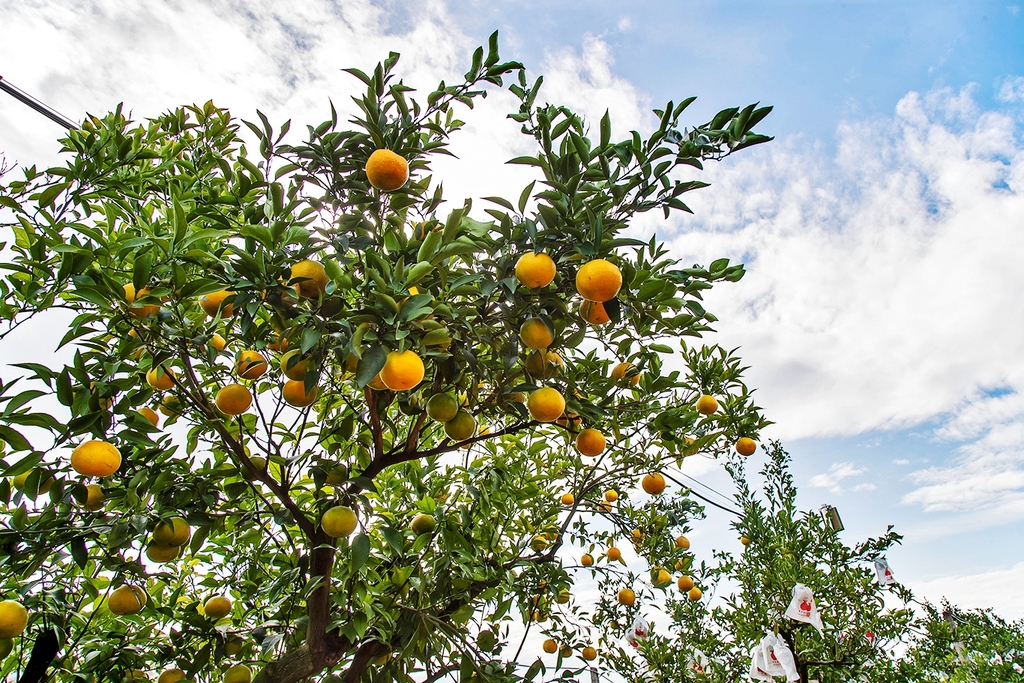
(360, 551)
(79, 552)
(14, 439)
(370, 364)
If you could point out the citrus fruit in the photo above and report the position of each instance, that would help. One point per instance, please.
(313, 278)
(590, 442)
(460, 427)
(536, 334)
(294, 365)
(538, 543)
(744, 540)
(233, 399)
(162, 553)
(661, 578)
(568, 499)
(217, 607)
(150, 415)
(563, 596)
(542, 364)
(160, 378)
(535, 270)
(214, 301)
(422, 524)
(280, 345)
(138, 311)
(598, 280)
(620, 371)
(442, 407)
(589, 653)
(611, 495)
(233, 645)
(339, 521)
(13, 618)
(604, 506)
(550, 646)
(250, 365)
(746, 446)
(45, 482)
(220, 343)
(337, 475)
(170, 405)
(706, 405)
(593, 312)
(174, 532)
(684, 583)
(614, 554)
(95, 498)
(171, 676)
(377, 384)
(6, 647)
(127, 600)
(386, 170)
(258, 462)
(566, 651)
(545, 404)
(402, 370)
(626, 597)
(239, 673)
(96, 458)
(294, 392)
(587, 560)
(653, 483)
(694, 594)
(135, 675)
(682, 542)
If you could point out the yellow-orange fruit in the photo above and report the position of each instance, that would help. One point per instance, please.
(614, 554)
(251, 364)
(694, 594)
(402, 370)
(598, 280)
(150, 415)
(746, 446)
(233, 399)
(682, 542)
(386, 170)
(160, 378)
(96, 459)
(568, 499)
(587, 560)
(590, 442)
(706, 405)
(127, 600)
(653, 483)
(685, 583)
(95, 498)
(217, 607)
(214, 301)
(535, 270)
(314, 278)
(626, 597)
(139, 311)
(294, 392)
(593, 312)
(550, 646)
(174, 532)
(536, 334)
(589, 653)
(545, 404)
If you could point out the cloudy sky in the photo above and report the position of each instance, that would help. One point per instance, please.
(883, 229)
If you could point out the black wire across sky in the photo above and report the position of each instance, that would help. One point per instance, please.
(47, 111)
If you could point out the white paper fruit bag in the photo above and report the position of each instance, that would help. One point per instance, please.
(757, 665)
(802, 607)
(885, 577)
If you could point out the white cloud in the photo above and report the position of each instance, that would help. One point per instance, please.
(901, 461)
(832, 479)
(999, 588)
(1011, 89)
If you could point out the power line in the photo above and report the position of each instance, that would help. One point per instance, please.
(45, 110)
(705, 499)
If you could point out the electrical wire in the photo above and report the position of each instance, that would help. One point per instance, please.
(45, 110)
(705, 499)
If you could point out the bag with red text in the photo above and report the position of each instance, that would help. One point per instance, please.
(802, 607)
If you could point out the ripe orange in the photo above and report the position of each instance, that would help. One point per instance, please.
(568, 499)
(162, 553)
(661, 578)
(694, 594)
(746, 446)
(377, 384)
(213, 302)
(614, 554)
(174, 532)
(294, 365)
(653, 483)
(314, 278)
(593, 312)
(706, 405)
(604, 506)
(218, 342)
(294, 392)
(251, 364)
(685, 583)
(598, 280)
(171, 676)
(545, 404)
(626, 597)
(571, 421)
(13, 618)
(96, 459)
(590, 442)
(42, 487)
(538, 543)
(339, 521)
(160, 378)
(138, 311)
(280, 345)
(238, 673)
(217, 607)
(587, 560)
(233, 399)
(611, 495)
(150, 415)
(682, 542)
(170, 405)
(535, 270)
(589, 653)
(550, 646)
(536, 334)
(386, 170)
(127, 600)
(619, 374)
(543, 364)
(744, 540)
(402, 370)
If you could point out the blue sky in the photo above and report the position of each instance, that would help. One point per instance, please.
(882, 229)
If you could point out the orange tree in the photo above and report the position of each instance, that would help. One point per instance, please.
(751, 592)
(311, 420)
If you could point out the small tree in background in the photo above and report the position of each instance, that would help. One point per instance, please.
(315, 420)
(754, 589)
